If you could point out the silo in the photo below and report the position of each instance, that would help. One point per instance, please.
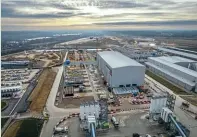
(97, 107)
(82, 111)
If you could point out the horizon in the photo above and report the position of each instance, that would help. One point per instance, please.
(85, 30)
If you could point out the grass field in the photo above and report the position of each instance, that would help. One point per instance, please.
(30, 128)
(25, 128)
(3, 121)
(3, 104)
(167, 84)
(40, 94)
(13, 129)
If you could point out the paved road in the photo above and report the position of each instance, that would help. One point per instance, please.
(56, 114)
(91, 84)
(182, 116)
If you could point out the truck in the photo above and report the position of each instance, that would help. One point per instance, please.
(60, 130)
(115, 122)
(185, 104)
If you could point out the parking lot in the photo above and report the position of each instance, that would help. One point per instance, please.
(11, 104)
(23, 75)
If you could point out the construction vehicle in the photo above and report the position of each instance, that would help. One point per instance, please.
(60, 130)
(115, 122)
(185, 104)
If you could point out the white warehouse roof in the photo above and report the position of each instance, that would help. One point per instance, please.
(176, 59)
(175, 66)
(115, 59)
(189, 55)
(190, 51)
(171, 74)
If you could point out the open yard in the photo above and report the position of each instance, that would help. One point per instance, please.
(164, 82)
(75, 102)
(40, 94)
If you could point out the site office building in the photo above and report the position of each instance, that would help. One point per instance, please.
(119, 70)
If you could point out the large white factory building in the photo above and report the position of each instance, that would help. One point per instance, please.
(119, 70)
(176, 69)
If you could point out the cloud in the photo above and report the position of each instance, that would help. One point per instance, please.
(100, 12)
(150, 23)
(33, 9)
(118, 4)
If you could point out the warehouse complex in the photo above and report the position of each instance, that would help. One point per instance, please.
(175, 69)
(119, 70)
(179, 52)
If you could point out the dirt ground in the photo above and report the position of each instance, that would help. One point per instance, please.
(40, 93)
(75, 102)
(39, 60)
(182, 42)
(12, 130)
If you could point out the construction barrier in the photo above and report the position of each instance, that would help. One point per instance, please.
(68, 117)
(121, 110)
(138, 102)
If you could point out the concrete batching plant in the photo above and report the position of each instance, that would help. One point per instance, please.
(89, 109)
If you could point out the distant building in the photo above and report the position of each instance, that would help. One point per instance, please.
(179, 52)
(14, 64)
(175, 69)
(119, 70)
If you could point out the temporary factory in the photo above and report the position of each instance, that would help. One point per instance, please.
(120, 71)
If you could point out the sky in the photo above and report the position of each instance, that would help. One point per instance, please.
(98, 15)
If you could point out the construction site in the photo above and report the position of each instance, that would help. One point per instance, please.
(76, 86)
(100, 93)
(107, 110)
(37, 58)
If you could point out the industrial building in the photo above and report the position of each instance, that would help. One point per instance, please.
(89, 109)
(179, 52)
(139, 54)
(175, 69)
(14, 64)
(119, 70)
(9, 89)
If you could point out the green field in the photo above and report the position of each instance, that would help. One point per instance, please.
(167, 84)
(3, 121)
(30, 128)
